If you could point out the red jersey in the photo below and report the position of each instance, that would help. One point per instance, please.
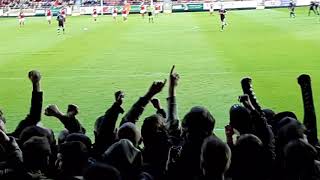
(94, 11)
(143, 7)
(124, 11)
(158, 7)
(49, 12)
(21, 15)
(115, 10)
(63, 12)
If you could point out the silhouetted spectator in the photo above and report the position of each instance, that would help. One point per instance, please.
(124, 157)
(72, 160)
(36, 157)
(249, 159)
(300, 161)
(215, 158)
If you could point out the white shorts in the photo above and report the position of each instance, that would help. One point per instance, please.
(95, 15)
(114, 15)
(49, 18)
(21, 20)
(142, 11)
(124, 15)
(64, 16)
(211, 10)
(157, 11)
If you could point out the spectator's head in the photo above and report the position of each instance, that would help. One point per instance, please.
(197, 124)
(80, 138)
(240, 119)
(125, 157)
(291, 129)
(72, 158)
(154, 131)
(32, 131)
(215, 157)
(248, 158)
(36, 153)
(100, 171)
(62, 136)
(299, 160)
(130, 131)
(276, 123)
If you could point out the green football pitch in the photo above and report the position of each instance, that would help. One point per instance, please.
(94, 59)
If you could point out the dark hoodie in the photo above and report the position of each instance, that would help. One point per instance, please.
(124, 157)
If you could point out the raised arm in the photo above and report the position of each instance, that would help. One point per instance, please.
(69, 120)
(172, 120)
(34, 115)
(105, 125)
(137, 109)
(262, 128)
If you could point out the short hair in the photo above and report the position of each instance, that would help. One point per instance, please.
(36, 151)
(129, 131)
(74, 154)
(299, 158)
(149, 128)
(81, 138)
(215, 155)
(198, 120)
(32, 131)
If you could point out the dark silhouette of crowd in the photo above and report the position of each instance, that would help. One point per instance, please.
(259, 145)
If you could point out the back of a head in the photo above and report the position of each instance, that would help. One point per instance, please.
(129, 131)
(38, 131)
(74, 155)
(153, 131)
(198, 122)
(81, 138)
(292, 130)
(215, 156)
(240, 118)
(299, 160)
(248, 158)
(99, 171)
(277, 122)
(124, 157)
(36, 153)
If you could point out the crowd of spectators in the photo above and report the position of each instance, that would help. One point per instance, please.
(259, 146)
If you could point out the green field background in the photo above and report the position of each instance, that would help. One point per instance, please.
(86, 67)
